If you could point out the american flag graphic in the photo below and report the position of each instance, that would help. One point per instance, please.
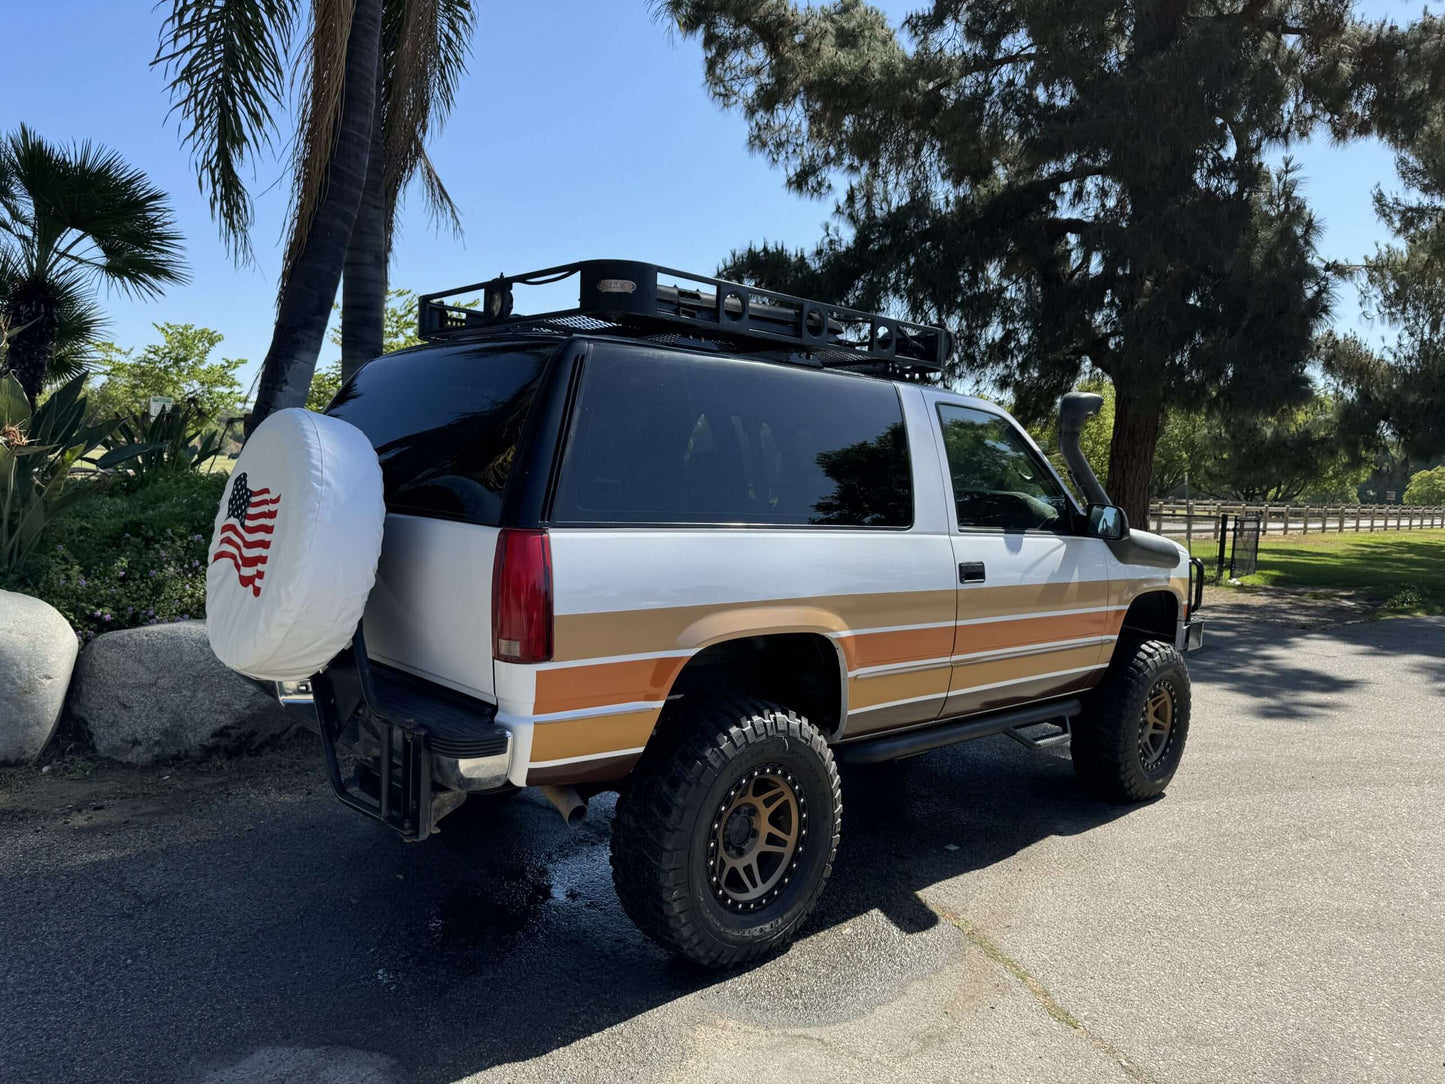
(244, 543)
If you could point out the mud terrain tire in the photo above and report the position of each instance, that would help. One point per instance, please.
(726, 832)
(1128, 743)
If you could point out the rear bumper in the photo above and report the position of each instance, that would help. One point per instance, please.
(413, 749)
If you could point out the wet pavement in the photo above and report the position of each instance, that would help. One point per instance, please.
(1277, 916)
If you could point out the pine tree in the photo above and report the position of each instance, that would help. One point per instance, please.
(1068, 184)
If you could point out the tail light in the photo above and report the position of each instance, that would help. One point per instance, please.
(522, 597)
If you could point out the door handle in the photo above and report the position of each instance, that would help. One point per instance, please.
(970, 572)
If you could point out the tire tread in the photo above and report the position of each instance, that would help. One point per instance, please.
(650, 833)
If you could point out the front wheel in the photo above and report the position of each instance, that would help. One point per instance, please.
(1128, 744)
(726, 833)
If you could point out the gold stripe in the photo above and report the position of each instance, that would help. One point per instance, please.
(968, 701)
(672, 628)
(563, 738)
(1020, 599)
(998, 635)
(587, 636)
(969, 675)
(641, 632)
(864, 692)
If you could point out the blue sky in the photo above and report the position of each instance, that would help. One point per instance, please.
(583, 130)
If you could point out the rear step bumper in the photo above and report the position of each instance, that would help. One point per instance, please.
(1012, 722)
(431, 743)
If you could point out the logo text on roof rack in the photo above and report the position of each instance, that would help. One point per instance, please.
(615, 286)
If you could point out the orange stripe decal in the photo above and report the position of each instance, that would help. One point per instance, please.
(904, 645)
(573, 687)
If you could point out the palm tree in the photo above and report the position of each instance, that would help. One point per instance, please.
(71, 219)
(378, 75)
(424, 50)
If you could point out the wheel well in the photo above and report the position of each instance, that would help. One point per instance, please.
(1154, 616)
(796, 670)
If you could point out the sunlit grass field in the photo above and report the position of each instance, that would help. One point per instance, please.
(1404, 569)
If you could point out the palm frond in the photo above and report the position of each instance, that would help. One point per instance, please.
(81, 322)
(85, 211)
(225, 62)
(320, 112)
(426, 45)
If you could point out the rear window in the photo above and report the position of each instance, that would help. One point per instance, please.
(445, 424)
(674, 438)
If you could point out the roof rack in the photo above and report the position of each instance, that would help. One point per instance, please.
(629, 298)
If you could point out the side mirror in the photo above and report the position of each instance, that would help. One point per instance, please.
(1108, 521)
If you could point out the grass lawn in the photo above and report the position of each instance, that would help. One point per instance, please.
(1405, 569)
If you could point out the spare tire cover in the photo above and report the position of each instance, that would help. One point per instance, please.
(294, 551)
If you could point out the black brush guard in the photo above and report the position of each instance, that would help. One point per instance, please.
(413, 721)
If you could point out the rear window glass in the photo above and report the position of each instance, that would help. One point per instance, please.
(445, 424)
(677, 438)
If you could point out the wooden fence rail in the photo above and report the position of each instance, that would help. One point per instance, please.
(1191, 520)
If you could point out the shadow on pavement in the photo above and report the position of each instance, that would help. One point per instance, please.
(259, 918)
(159, 953)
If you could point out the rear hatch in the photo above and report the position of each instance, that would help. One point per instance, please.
(445, 422)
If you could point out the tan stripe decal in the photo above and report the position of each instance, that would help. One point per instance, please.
(589, 685)
(587, 736)
(864, 692)
(976, 602)
(991, 671)
(970, 700)
(997, 635)
(641, 632)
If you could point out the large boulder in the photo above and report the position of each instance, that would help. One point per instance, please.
(155, 692)
(37, 654)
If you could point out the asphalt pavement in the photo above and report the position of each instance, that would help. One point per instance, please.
(1278, 916)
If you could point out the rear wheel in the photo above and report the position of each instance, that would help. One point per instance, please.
(1128, 745)
(726, 832)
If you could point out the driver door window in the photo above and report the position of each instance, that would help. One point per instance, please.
(998, 481)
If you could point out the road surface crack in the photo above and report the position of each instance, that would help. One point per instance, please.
(1049, 1003)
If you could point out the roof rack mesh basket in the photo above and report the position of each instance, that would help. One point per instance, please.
(626, 297)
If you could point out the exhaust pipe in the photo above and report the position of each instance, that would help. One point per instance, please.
(1075, 409)
(569, 803)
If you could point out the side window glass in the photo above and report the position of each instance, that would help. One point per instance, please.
(678, 438)
(998, 481)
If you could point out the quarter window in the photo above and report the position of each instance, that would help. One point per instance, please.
(445, 423)
(665, 437)
(998, 480)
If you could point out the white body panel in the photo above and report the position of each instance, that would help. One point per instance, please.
(633, 604)
(430, 612)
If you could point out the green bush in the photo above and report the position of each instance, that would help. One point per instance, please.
(1426, 487)
(128, 553)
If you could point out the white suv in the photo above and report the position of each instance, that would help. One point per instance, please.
(694, 542)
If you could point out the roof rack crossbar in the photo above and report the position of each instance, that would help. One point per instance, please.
(630, 295)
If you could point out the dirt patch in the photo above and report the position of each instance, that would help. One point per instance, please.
(1294, 607)
(74, 787)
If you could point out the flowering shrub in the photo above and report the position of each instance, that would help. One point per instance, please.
(129, 555)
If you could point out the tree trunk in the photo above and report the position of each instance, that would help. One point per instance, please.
(1131, 455)
(310, 290)
(31, 312)
(363, 284)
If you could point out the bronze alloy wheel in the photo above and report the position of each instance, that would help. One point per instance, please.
(757, 838)
(1156, 726)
